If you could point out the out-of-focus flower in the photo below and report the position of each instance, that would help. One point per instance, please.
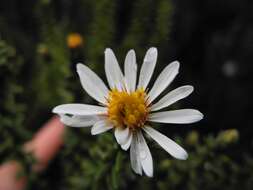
(230, 68)
(228, 136)
(192, 138)
(42, 49)
(129, 109)
(74, 40)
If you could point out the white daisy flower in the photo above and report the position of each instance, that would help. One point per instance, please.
(129, 109)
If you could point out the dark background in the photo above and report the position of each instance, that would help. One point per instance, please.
(212, 39)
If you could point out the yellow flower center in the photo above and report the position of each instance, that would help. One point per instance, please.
(128, 109)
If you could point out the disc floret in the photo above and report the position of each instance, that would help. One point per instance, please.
(127, 109)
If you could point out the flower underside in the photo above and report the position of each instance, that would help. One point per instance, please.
(128, 109)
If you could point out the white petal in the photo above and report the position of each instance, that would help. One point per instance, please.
(100, 127)
(121, 135)
(130, 70)
(134, 155)
(177, 116)
(112, 70)
(92, 84)
(128, 142)
(79, 121)
(147, 68)
(167, 144)
(164, 79)
(145, 156)
(172, 97)
(79, 109)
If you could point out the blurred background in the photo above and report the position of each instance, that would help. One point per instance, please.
(41, 42)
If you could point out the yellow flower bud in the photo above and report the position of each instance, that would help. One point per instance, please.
(74, 40)
(228, 136)
(192, 138)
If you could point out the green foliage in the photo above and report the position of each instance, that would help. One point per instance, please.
(11, 109)
(210, 165)
(52, 69)
(35, 79)
(100, 163)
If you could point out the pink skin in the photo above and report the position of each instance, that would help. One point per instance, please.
(44, 145)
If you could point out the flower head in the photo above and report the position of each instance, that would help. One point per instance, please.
(128, 108)
(74, 40)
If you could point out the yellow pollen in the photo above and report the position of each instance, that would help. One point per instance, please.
(127, 109)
